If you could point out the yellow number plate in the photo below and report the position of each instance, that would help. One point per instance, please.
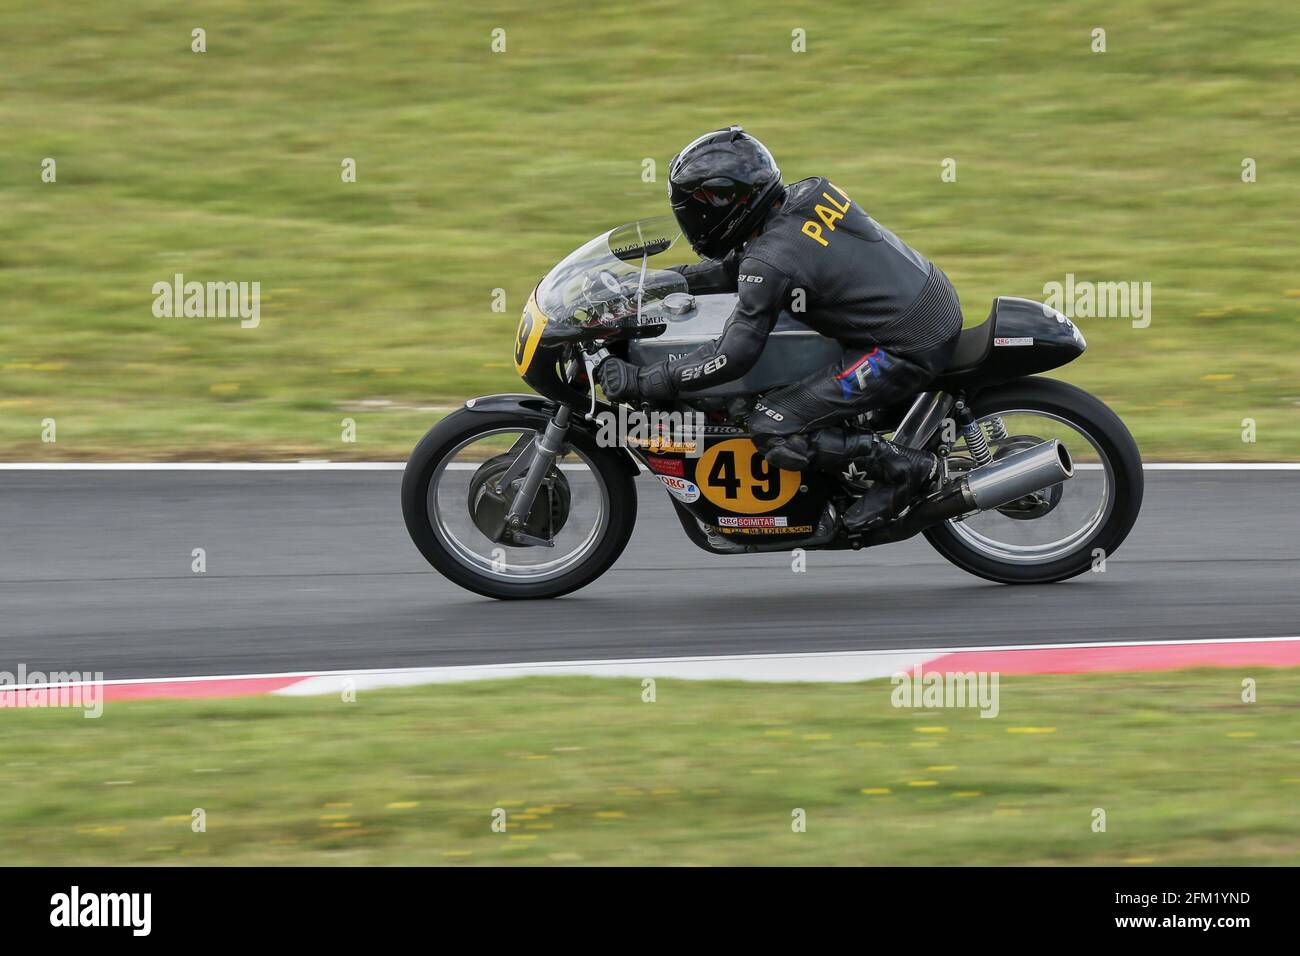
(529, 334)
(735, 476)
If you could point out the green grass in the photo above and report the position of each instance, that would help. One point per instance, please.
(708, 773)
(477, 171)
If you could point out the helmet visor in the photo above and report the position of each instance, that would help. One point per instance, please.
(721, 193)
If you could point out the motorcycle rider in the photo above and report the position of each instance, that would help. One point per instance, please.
(810, 249)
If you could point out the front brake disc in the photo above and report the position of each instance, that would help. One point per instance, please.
(488, 505)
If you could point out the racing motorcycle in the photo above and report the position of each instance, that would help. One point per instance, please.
(535, 495)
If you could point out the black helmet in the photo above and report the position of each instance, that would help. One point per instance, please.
(721, 186)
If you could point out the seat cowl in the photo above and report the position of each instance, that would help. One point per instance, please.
(973, 345)
(1020, 337)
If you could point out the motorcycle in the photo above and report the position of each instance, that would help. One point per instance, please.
(535, 495)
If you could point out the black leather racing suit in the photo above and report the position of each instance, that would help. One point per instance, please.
(821, 257)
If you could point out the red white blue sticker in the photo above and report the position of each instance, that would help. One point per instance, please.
(681, 489)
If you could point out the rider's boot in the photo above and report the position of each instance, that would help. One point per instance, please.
(900, 474)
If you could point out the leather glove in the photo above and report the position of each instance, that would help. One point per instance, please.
(619, 380)
(625, 382)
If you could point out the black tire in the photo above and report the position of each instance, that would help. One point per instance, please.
(1112, 437)
(464, 424)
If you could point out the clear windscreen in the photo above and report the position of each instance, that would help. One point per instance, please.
(617, 280)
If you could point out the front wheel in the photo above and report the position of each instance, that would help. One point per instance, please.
(1062, 530)
(455, 489)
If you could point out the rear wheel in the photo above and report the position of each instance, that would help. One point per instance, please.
(1059, 531)
(455, 496)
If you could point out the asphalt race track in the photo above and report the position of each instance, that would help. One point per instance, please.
(313, 570)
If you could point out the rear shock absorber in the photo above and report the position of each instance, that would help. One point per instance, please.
(996, 428)
(977, 444)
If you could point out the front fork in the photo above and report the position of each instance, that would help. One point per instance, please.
(534, 463)
(538, 457)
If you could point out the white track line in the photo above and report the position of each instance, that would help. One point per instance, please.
(661, 661)
(400, 465)
(1221, 466)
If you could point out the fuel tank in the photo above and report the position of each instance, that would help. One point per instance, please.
(792, 352)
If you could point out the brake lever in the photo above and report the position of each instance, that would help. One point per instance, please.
(592, 358)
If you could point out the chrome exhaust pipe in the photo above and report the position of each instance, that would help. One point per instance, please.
(1002, 482)
(983, 489)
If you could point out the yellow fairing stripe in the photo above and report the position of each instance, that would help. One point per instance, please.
(530, 333)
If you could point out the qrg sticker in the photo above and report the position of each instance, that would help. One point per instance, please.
(681, 489)
(736, 521)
